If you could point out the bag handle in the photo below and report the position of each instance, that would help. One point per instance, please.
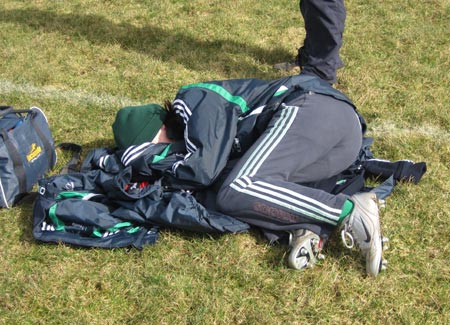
(19, 169)
(51, 156)
(5, 110)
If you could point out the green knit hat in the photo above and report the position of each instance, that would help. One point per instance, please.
(137, 124)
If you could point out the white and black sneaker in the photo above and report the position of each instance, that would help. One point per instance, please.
(305, 248)
(362, 227)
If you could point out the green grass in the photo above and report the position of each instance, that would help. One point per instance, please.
(80, 61)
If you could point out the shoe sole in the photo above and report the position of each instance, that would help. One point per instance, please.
(302, 254)
(374, 257)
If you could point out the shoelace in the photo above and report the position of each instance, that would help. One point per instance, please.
(347, 238)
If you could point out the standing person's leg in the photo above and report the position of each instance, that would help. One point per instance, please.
(324, 26)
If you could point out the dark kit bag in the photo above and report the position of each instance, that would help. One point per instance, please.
(27, 152)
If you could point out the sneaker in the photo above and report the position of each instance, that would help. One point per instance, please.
(305, 248)
(362, 227)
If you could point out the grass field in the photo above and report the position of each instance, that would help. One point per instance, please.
(80, 61)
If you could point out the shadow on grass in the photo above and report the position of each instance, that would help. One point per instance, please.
(25, 205)
(170, 46)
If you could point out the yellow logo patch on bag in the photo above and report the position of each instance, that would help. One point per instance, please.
(35, 152)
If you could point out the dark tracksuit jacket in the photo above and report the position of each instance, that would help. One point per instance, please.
(285, 132)
(115, 201)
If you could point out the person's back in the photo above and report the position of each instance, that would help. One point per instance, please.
(225, 117)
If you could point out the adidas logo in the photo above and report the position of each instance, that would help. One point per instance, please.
(47, 227)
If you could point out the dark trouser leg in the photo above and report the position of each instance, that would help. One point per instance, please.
(316, 139)
(324, 25)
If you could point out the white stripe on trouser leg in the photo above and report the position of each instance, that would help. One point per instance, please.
(269, 143)
(281, 196)
(296, 209)
(324, 209)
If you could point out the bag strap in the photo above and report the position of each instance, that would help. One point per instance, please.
(275, 102)
(5, 110)
(45, 141)
(19, 170)
(76, 150)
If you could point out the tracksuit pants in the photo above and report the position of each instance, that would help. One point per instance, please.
(309, 139)
(324, 25)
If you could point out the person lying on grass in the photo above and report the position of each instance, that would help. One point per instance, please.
(258, 143)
